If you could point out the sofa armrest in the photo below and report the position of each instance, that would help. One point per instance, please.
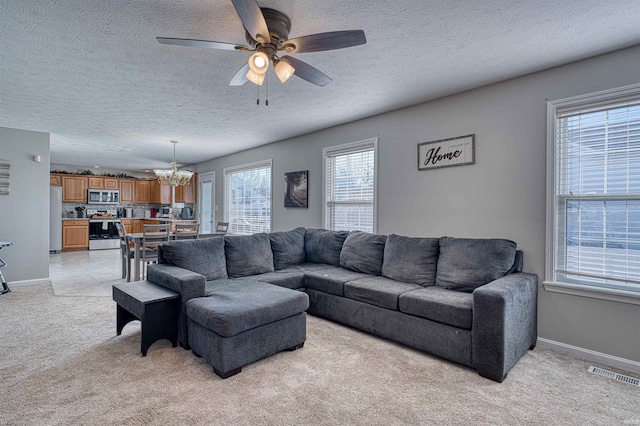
(188, 283)
(504, 323)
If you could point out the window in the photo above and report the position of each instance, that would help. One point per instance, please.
(595, 209)
(350, 186)
(247, 201)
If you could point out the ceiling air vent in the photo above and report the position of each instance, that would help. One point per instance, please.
(615, 376)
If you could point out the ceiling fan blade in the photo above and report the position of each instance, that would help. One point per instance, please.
(240, 78)
(201, 43)
(325, 41)
(252, 19)
(307, 72)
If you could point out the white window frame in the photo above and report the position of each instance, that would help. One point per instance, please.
(607, 97)
(255, 165)
(354, 146)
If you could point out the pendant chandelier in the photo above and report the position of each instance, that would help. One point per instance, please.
(173, 176)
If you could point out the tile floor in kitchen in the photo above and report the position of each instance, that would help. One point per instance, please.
(85, 273)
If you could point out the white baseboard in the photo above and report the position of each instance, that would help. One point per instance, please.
(589, 355)
(24, 283)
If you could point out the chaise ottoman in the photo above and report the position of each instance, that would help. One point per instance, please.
(242, 322)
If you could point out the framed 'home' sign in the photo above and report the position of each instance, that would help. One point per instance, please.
(447, 152)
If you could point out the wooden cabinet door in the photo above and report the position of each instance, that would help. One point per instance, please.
(96, 183)
(160, 193)
(128, 225)
(74, 189)
(137, 225)
(54, 180)
(127, 191)
(110, 183)
(187, 193)
(75, 235)
(143, 192)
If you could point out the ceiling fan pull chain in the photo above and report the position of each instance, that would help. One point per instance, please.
(267, 93)
(258, 102)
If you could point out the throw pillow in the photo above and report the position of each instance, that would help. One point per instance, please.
(324, 246)
(411, 259)
(287, 248)
(363, 252)
(205, 256)
(248, 255)
(466, 263)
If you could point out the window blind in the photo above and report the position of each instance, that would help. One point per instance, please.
(597, 195)
(350, 187)
(248, 198)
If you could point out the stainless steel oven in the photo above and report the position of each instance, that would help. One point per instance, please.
(103, 234)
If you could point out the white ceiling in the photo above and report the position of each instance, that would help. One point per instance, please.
(92, 74)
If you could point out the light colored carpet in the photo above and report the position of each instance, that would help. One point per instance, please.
(61, 363)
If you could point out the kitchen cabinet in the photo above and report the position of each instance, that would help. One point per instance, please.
(137, 225)
(55, 180)
(127, 191)
(74, 189)
(160, 193)
(75, 235)
(143, 192)
(99, 182)
(128, 225)
(187, 193)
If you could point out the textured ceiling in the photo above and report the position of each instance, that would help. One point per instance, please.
(92, 74)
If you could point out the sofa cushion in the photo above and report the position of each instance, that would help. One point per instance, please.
(288, 278)
(363, 252)
(248, 254)
(466, 263)
(331, 279)
(438, 304)
(234, 309)
(323, 246)
(206, 256)
(312, 267)
(378, 291)
(411, 260)
(287, 248)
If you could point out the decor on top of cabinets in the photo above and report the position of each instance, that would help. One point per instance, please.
(457, 151)
(295, 189)
(5, 168)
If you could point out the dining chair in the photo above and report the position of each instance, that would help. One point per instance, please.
(186, 231)
(222, 227)
(152, 237)
(126, 254)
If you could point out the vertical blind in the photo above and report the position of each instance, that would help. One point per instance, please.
(248, 198)
(597, 196)
(350, 188)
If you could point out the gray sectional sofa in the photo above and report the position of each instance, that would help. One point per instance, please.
(465, 300)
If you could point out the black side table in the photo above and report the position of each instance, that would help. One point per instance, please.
(5, 286)
(155, 306)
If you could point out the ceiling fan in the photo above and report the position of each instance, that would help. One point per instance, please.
(267, 32)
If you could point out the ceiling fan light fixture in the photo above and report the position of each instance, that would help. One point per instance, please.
(284, 71)
(259, 63)
(257, 79)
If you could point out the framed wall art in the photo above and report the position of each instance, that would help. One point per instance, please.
(295, 189)
(5, 168)
(456, 151)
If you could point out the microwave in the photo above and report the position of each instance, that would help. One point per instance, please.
(103, 196)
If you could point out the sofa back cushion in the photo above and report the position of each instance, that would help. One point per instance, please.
(411, 260)
(324, 246)
(248, 254)
(363, 252)
(466, 263)
(205, 256)
(287, 248)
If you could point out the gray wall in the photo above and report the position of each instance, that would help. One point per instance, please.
(24, 213)
(502, 195)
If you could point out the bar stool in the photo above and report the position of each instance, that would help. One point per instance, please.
(5, 286)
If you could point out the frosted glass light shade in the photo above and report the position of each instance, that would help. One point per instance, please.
(284, 71)
(259, 63)
(255, 78)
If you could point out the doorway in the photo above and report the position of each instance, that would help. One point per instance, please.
(207, 202)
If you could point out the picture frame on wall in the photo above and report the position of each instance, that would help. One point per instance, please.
(295, 189)
(458, 151)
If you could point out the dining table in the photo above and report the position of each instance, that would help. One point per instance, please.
(136, 239)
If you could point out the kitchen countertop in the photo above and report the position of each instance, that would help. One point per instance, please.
(160, 219)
